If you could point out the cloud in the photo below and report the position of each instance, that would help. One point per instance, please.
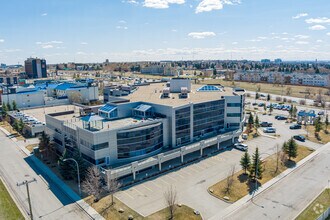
(122, 27)
(302, 42)
(44, 14)
(161, 4)
(201, 35)
(234, 43)
(328, 34)
(317, 27)
(2, 40)
(134, 2)
(299, 36)
(210, 5)
(122, 22)
(81, 53)
(300, 15)
(319, 41)
(47, 46)
(174, 30)
(83, 43)
(50, 42)
(323, 20)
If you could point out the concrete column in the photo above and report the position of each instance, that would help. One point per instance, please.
(160, 159)
(202, 145)
(134, 166)
(218, 140)
(181, 153)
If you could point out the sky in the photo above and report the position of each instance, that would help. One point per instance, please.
(64, 31)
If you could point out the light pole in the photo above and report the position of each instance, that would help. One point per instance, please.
(77, 172)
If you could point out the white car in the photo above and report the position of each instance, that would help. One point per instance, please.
(241, 146)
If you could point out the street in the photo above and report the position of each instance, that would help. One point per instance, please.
(47, 202)
(287, 198)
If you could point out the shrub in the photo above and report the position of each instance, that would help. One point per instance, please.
(278, 99)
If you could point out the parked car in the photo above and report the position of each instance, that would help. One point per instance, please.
(254, 103)
(279, 117)
(266, 124)
(321, 113)
(295, 126)
(269, 130)
(241, 146)
(261, 104)
(299, 138)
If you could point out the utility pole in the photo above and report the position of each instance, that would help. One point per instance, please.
(26, 183)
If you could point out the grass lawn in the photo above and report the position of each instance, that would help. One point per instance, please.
(111, 212)
(296, 91)
(317, 207)
(11, 130)
(31, 146)
(242, 186)
(8, 208)
(325, 138)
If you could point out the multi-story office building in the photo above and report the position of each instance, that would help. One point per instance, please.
(35, 68)
(155, 120)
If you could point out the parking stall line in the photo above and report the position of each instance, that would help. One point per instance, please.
(127, 194)
(198, 166)
(176, 173)
(193, 169)
(147, 188)
(164, 181)
(184, 171)
(153, 182)
(139, 192)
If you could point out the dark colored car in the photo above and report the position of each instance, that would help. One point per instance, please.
(295, 126)
(281, 118)
(299, 138)
(266, 124)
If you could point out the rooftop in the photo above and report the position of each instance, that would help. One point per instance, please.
(152, 93)
(39, 113)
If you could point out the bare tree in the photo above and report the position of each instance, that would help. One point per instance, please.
(278, 155)
(230, 179)
(113, 186)
(75, 97)
(288, 90)
(92, 184)
(171, 199)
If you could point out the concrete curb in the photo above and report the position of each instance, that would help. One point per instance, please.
(268, 185)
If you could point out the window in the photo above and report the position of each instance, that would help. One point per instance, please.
(233, 104)
(233, 114)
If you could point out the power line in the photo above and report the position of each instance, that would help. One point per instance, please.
(26, 183)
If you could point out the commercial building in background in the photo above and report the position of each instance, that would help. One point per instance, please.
(168, 120)
(35, 68)
(50, 94)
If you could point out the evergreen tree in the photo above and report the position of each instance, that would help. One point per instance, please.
(4, 111)
(317, 124)
(268, 97)
(44, 143)
(21, 126)
(295, 110)
(291, 111)
(9, 106)
(256, 122)
(326, 122)
(16, 125)
(256, 167)
(290, 148)
(245, 162)
(250, 122)
(83, 165)
(65, 166)
(14, 105)
(270, 108)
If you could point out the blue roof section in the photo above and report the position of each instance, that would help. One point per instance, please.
(143, 107)
(91, 117)
(65, 86)
(107, 108)
(303, 113)
(208, 88)
(28, 92)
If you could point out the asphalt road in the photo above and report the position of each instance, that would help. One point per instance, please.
(287, 198)
(47, 202)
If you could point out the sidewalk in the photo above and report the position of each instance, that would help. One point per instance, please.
(56, 180)
(243, 201)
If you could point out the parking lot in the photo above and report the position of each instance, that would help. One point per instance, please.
(192, 181)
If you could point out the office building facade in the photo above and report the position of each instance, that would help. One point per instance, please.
(35, 68)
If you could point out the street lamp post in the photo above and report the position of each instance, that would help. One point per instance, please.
(77, 172)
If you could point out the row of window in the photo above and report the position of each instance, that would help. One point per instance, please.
(233, 104)
(233, 114)
(182, 125)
